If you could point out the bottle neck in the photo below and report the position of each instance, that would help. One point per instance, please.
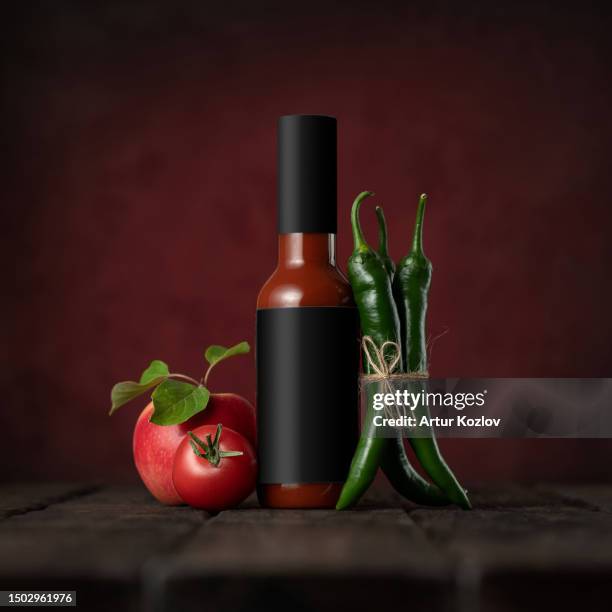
(298, 250)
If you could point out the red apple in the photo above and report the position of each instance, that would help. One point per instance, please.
(154, 445)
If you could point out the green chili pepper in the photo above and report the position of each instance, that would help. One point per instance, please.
(395, 462)
(410, 288)
(379, 320)
(378, 315)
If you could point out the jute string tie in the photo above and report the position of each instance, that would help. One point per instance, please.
(383, 365)
(383, 360)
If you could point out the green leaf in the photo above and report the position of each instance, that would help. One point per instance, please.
(124, 392)
(176, 401)
(215, 353)
(155, 370)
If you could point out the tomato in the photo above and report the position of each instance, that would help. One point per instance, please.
(214, 468)
(154, 445)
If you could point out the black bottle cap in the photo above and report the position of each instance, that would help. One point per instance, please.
(307, 174)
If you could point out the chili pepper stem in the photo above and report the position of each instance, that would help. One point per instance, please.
(417, 239)
(383, 243)
(383, 240)
(358, 238)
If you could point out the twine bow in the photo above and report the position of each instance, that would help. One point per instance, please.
(383, 362)
(382, 365)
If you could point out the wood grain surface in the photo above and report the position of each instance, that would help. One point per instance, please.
(542, 547)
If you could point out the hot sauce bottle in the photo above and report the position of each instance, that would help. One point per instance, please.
(307, 331)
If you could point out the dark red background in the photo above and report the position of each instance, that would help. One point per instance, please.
(139, 198)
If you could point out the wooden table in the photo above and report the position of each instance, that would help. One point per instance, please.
(543, 547)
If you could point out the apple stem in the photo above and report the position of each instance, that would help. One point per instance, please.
(204, 380)
(187, 378)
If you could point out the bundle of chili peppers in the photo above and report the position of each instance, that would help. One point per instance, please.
(392, 307)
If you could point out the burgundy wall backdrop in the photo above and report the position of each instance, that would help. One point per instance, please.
(139, 198)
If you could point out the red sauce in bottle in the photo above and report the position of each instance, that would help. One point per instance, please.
(306, 275)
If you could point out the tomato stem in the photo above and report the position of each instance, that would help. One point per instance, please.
(209, 450)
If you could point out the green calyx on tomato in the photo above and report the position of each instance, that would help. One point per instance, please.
(204, 478)
(176, 397)
(209, 450)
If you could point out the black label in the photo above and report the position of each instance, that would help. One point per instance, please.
(307, 393)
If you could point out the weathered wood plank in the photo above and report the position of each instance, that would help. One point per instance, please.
(510, 495)
(19, 498)
(108, 533)
(533, 537)
(546, 546)
(304, 560)
(509, 558)
(96, 544)
(111, 508)
(589, 496)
